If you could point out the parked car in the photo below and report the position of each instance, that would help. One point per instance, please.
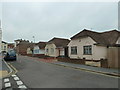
(3, 53)
(11, 55)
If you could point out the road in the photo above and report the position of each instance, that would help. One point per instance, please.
(38, 74)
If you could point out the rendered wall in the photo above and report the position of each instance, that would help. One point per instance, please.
(98, 52)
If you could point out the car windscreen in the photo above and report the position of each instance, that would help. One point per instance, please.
(12, 53)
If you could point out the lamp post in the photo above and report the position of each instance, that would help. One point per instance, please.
(34, 39)
(33, 45)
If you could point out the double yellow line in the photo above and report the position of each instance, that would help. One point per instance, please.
(12, 69)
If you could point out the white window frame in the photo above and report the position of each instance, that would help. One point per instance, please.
(74, 50)
(87, 50)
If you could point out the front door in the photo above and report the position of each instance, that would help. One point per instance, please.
(66, 51)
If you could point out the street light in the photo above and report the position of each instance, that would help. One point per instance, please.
(33, 45)
(34, 39)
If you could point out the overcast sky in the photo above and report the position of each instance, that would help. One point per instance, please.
(62, 19)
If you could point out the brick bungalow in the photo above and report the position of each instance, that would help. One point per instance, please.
(96, 46)
(22, 46)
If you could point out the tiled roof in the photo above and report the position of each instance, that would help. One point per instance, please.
(41, 45)
(59, 42)
(104, 38)
(31, 45)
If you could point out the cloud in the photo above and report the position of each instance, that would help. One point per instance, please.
(64, 19)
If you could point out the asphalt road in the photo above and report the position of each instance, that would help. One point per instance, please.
(37, 74)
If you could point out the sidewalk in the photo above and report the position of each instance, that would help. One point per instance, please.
(107, 71)
(4, 69)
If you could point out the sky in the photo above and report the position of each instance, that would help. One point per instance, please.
(46, 20)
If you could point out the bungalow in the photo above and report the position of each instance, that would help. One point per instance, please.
(30, 49)
(90, 45)
(39, 48)
(57, 47)
(21, 46)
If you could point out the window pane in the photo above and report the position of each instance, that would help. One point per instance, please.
(87, 49)
(74, 50)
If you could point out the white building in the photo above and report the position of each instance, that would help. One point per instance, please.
(4, 47)
(57, 47)
(90, 45)
(0, 37)
(39, 48)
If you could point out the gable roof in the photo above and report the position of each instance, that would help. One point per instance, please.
(41, 45)
(59, 42)
(4, 42)
(104, 38)
(111, 36)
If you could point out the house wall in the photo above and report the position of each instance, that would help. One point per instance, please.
(0, 39)
(37, 50)
(16, 42)
(42, 51)
(29, 51)
(22, 48)
(4, 47)
(52, 51)
(114, 57)
(98, 52)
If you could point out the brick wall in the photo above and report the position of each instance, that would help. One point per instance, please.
(76, 61)
(22, 48)
(104, 63)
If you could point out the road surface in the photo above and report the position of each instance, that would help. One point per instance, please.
(38, 74)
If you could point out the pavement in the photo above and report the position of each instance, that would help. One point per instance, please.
(3, 71)
(107, 71)
(4, 68)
